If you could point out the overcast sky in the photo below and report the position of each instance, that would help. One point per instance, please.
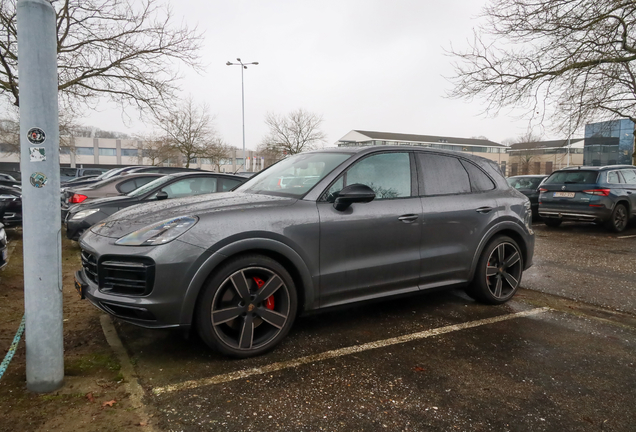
(362, 64)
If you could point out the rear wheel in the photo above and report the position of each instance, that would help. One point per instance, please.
(498, 272)
(619, 219)
(247, 307)
(553, 223)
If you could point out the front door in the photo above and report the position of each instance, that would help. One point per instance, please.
(372, 249)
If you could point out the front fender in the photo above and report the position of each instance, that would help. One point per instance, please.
(237, 247)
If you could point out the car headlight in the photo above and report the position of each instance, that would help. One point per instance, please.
(159, 233)
(83, 214)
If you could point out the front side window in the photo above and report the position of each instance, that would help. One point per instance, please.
(190, 186)
(443, 175)
(630, 176)
(388, 174)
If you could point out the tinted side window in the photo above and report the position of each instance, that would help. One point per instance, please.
(630, 176)
(227, 184)
(127, 186)
(143, 180)
(479, 181)
(388, 174)
(613, 177)
(443, 175)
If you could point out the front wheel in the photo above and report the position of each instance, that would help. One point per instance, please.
(619, 219)
(247, 307)
(498, 272)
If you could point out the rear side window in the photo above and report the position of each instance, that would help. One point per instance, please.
(578, 176)
(443, 175)
(127, 186)
(227, 184)
(613, 177)
(479, 181)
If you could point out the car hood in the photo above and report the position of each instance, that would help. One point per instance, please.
(133, 218)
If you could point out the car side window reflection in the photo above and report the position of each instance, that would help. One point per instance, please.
(189, 187)
(388, 174)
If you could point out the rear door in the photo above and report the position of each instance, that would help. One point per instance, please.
(459, 202)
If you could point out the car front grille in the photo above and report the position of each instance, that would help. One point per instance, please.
(126, 277)
(120, 274)
(89, 264)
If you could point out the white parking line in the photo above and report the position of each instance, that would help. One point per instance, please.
(233, 376)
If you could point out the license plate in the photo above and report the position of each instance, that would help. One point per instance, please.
(80, 287)
(564, 195)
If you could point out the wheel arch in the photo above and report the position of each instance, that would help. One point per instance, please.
(509, 229)
(276, 250)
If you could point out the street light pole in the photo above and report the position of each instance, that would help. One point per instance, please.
(243, 66)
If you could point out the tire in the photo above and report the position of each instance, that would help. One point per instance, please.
(495, 283)
(619, 219)
(246, 322)
(552, 223)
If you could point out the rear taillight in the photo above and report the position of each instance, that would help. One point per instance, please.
(542, 190)
(602, 192)
(77, 198)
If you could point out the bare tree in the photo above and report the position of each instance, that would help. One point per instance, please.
(123, 49)
(157, 148)
(296, 132)
(217, 152)
(10, 131)
(524, 157)
(189, 129)
(575, 57)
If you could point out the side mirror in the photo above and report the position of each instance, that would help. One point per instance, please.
(355, 193)
(162, 195)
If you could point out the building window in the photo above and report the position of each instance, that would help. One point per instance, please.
(130, 152)
(107, 152)
(85, 151)
(65, 150)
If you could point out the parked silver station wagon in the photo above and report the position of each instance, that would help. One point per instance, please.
(358, 224)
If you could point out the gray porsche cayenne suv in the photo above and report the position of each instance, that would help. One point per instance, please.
(315, 230)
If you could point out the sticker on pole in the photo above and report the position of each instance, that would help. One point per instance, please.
(37, 154)
(38, 180)
(36, 136)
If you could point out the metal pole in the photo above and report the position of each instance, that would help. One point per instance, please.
(243, 114)
(40, 166)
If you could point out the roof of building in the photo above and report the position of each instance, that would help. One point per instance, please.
(389, 136)
(544, 144)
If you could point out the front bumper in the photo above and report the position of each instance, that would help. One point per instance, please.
(175, 264)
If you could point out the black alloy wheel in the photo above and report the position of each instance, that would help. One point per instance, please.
(498, 273)
(619, 219)
(248, 307)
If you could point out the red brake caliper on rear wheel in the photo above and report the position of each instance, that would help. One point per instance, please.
(269, 301)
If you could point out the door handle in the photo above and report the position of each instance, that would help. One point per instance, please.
(484, 209)
(408, 218)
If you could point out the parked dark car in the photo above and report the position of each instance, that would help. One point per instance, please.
(80, 181)
(177, 185)
(4, 250)
(593, 194)
(163, 169)
(364, 223)
(10, 206)
(529, 186)
(9, 183)
(67, 173)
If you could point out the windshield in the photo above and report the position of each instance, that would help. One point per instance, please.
(525, 182)
(295, 175)
(571, 176)
(150, 186)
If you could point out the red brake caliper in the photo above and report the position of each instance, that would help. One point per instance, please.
(269, 301)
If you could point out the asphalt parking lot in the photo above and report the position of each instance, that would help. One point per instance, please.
(551, 360)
